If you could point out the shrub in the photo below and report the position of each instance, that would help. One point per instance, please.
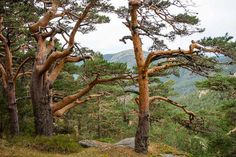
(57, 143)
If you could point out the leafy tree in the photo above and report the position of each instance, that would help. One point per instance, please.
(14, 46)
(150, 18)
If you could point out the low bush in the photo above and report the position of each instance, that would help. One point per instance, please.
(57, 143)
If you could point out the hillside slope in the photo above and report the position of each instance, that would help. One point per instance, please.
(184, 83)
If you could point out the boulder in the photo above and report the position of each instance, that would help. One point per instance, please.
(93, 143)
(127, 142)
(88, 143)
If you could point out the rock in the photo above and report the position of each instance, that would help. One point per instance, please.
(93, 143)
(88, 143)
(127, 142)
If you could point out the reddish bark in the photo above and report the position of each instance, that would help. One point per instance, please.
(9, 85)
(141, 137)
(44, 72)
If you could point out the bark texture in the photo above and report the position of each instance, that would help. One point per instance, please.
(9, 84)
(12, 108)
(41, 100)
(141, 137)
(49, 62)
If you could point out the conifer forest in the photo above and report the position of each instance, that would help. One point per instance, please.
(117, 78)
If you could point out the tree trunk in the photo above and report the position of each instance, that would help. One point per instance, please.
(12, 108)
(141, 137)
(41, 105)
(1, 123)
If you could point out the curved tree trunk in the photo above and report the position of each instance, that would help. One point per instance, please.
(41, 105)
(12, 108)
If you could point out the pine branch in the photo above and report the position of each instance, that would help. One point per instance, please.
(61, 112)
(190, 113)
(151, 56)
(19, 68)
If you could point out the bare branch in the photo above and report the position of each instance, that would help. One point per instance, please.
(19, 68)
(52, 58)
(164, 67)
(71, 98)
(78, 58)
(61, 112)
(29, 73)
(54, 74)
(43, 22)
(57, 54)
(151, 56)
(126, 38)
(190, 113)
(80, 20)
(231, 131)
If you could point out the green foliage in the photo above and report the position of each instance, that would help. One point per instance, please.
(162, 88)
(221, 144)
(225, 43)
(219, 83)
(183, 138)
(102, 67)
(58, 143)
(185, 18)
(105, 119)
(25, 111)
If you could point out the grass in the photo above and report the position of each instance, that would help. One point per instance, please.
(9, 150)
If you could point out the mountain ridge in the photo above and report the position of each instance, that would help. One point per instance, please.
(185, 83)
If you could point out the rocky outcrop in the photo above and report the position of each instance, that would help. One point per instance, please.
(128, 142)
(124, 146)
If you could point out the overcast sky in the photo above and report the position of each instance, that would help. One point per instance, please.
(217, 16)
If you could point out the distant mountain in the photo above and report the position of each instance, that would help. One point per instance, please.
(184, 83)
(126, 56)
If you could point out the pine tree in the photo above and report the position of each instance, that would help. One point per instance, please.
(153, 19)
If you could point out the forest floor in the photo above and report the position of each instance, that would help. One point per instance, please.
(155, 150)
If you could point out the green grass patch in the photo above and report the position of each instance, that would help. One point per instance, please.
(57, 144)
